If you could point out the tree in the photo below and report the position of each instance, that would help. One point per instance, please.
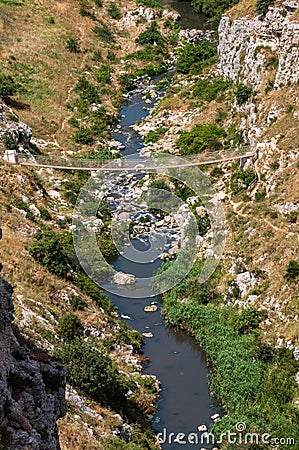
(292, 271)
(93, 373)
(200, 138)
(72, 44)
(70, 327)
(8, 86)
(213, 9)
(193, 58)
(243, 93)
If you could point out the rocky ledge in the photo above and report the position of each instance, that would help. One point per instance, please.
(32, 387)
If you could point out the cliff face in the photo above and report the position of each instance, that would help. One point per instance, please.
(32, 388)
(245, 46)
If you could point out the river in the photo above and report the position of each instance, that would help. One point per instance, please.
(189, 18)
(175, 358)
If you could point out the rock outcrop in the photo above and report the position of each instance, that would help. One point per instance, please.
(32, 388)
(250, 48)
(14, 134)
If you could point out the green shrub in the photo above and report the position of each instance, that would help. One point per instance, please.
(44, 213)
(127, 81)
(262, 6)
(48, 250)
(154, 136)
(270, 86)
(88, 92)
(99, 3)
(201, 137)
(103, 74)
(97, 56)
(70, 327)
(292, 217)
(151, 36)
(247, 321)
(83, 136)
(102, 153)
(208, 90)
(160, 184)
(113, 11)
(193, 58)
(149, 3)
(243, 93)
(8, 86)
(111, 56)
(72, 45)
(77, 303)
(103, 33)
(217, 172)
(260, 195)
(292, 271)
(94, 374)
(241, 180)
(85, 12)
(213, 10)
(9, 141)
(91, 289)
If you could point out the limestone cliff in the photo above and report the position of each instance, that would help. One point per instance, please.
(32, 388)
(245, 43)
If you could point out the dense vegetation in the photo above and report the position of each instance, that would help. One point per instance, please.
(208, 90)
(213, 10)
(244, 370)
(194, 58)
(201, 137)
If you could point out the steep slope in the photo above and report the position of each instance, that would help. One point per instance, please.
(32, 393)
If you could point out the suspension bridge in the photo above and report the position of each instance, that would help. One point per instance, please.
(155, 162)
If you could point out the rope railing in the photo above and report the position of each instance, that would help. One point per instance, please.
(154, 162)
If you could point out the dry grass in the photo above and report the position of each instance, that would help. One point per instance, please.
(270, 248)
(39, 59)
(245, 8)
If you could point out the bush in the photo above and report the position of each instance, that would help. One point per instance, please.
(201, 137)
(243, 93)
(149, 3)
(242, 180)
(154, 136)
(9, 141)
(193, 58)
(113, 11)
(127, 81)
(88, 92)
(83, 136)
(103, 74)
(48, 250)
(103, 33)
(213, 10)
(262, 6)
(8, 86)
(72, 45)
(93, 374)
(208, 90)
(260, 195)
(151, 36)
(44, 213)
(77, 303)
(247, 321)
(70, 327)
(292, 271)
(160, 184)
(102, 153)
(97, 56)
